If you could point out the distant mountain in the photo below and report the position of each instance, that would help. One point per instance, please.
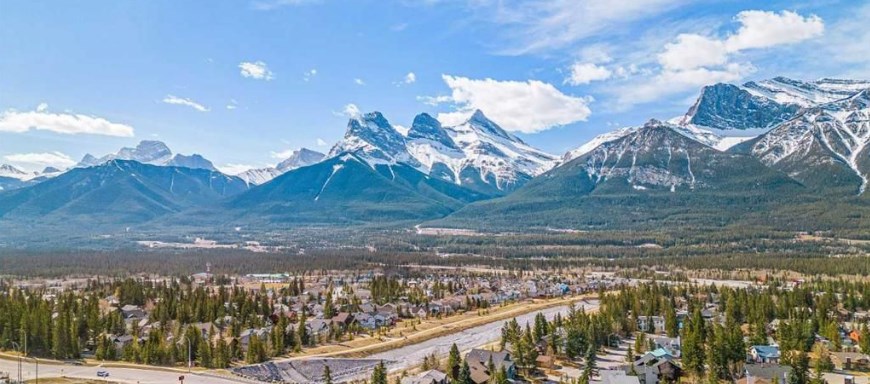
(725, 115)
(766, 103)
(10, 171)
(118, 192)
(299, 158)
(14, 178)
(650, 176)
(825, 146)
(346, 189)
(477, 154)
(151, 152)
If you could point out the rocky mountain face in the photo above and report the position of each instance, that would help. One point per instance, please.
(477, 154)
(299, 158)
(118, 192)
(350, 189)
(824, 146)
(151, 152)
(647, 177)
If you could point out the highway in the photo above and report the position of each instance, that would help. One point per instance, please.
(123, 375)
(411, 355)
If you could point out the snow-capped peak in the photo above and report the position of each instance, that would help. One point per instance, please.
(478, 151)
(302, 157)
(151, 152)
(7, 170)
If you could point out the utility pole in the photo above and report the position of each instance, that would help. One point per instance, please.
(189, 354)
(18, 348)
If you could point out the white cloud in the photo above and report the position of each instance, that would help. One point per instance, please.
(691, 51)
(233, 104)
(763, 29)
(693, 60)
(41, 160)
(434, 100)
(175, 100)
(309, 74)
(585, 73)
(359, 81)
(410, 78)
(321, 142)
(518, 106)
(399, 27)
(234, 169)
(671, 82)
(65, 123)
(282, 154)
(256, 70)
(350, 110)
(268, 5)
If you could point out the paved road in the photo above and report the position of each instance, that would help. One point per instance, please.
(412, 355)
(124, 375)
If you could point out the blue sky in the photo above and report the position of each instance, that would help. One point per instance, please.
(241, 82)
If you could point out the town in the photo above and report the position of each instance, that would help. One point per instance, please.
(435, 325)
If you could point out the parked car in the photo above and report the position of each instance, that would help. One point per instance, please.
(102, 374)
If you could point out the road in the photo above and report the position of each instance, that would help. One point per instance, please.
(412, 355)
(400, 358)
(123, 375)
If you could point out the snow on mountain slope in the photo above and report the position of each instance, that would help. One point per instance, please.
(299, 158)
(596, 141)
(805, 94)
(494, 151)
(820, 140)
(10, 171)
(726, 115)
(150, 152)
(477, 153)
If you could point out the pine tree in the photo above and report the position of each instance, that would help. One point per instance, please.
(464, 374)
(379, 375)
(454, 362)
(327, 374)
(799, 368)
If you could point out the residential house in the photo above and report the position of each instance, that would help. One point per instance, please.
(429, 377)
(478, 360)
(617, 377)
(654, 367)
(670, 344)
(764, 354)
(657, 323)
(760, 373)
(850, 361)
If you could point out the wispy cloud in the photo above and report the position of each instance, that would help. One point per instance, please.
(309, 74)
(256, 70)
(693, 60)
(268, 5)
(531, 26)
(64, 123)
(359, 81)
(175, 100)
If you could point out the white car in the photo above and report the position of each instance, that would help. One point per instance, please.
(102, 374)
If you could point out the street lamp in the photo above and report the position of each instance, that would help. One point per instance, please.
(18, 349)
(24, 332)
(189, 354)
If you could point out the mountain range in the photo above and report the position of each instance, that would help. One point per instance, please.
(779, 153)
